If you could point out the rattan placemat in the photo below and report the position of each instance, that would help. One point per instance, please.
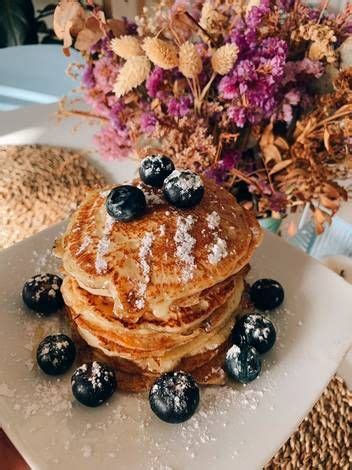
(323, 440)
(41, 185)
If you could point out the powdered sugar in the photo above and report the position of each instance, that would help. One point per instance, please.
(258, 326)
(184, 246)
(213, 220)
(185, 181)
(162, 230)
(144, 254)
(47, 397)
(103, 245)
(153, 197)
(218, 251)
(85, 243)
(97, 375)
(174, 391)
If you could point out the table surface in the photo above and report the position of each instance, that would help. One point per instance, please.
(34, 74)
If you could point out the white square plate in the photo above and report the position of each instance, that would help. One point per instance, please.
(235, 427)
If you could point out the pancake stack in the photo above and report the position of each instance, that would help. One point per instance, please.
(161, 292)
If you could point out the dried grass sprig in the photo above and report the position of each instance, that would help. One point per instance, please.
(126, 46)
(190, 63)
(132, 74)
(161, 53)
(224, 58)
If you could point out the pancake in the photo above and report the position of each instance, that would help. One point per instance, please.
(206, 367)
(161, 292)
(156, 351)
(147, 265)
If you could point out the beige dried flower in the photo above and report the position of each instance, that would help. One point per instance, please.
(250, 4)
(211, 20)
(190, 63)
(320, 50)
(132, 74)
(69, 20)
(224, 58)
(126, 46)
(161, 53)
(322, 39)
(91, 33)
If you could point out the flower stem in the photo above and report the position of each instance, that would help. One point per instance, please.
(207, 86)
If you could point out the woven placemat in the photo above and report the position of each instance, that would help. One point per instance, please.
(323, 440)
(41, 185)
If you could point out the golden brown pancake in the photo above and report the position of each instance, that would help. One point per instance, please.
(148, 264)
(154, 350)
(161, 292)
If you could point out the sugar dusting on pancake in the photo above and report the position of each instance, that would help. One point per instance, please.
(144, 253)
(103, 245)
(184, 246)
(218, 249)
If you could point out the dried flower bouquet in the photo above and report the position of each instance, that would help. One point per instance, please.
(257, 95)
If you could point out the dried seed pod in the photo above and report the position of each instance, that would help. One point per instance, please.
(224, 58)
(126, 46)
(132, 74)
(161, 53)
(190, 63)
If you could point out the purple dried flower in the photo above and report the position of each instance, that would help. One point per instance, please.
(253, 84)
(286, 5)
(294, 70)
(257, 13)
(273, 47)
(228, 88)
(111, 143)
(102, 46)
(238, 115)
(230, 159)
(148, 122)
(216, 173)
(105, 73)
(154, 81)
(130, 26)
(114, 116)
(277, 201)
(88, 79)
(219, 172)
(291, 98)
(179, 107)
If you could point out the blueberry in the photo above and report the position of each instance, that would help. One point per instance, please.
(42, 294)
(258, 331)
(154, 169)
(174, 397)
(267, 294)
(55, 354)
(183, 189)
(93, 383)
(238, 337)
(126, 203)
(242, 363)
